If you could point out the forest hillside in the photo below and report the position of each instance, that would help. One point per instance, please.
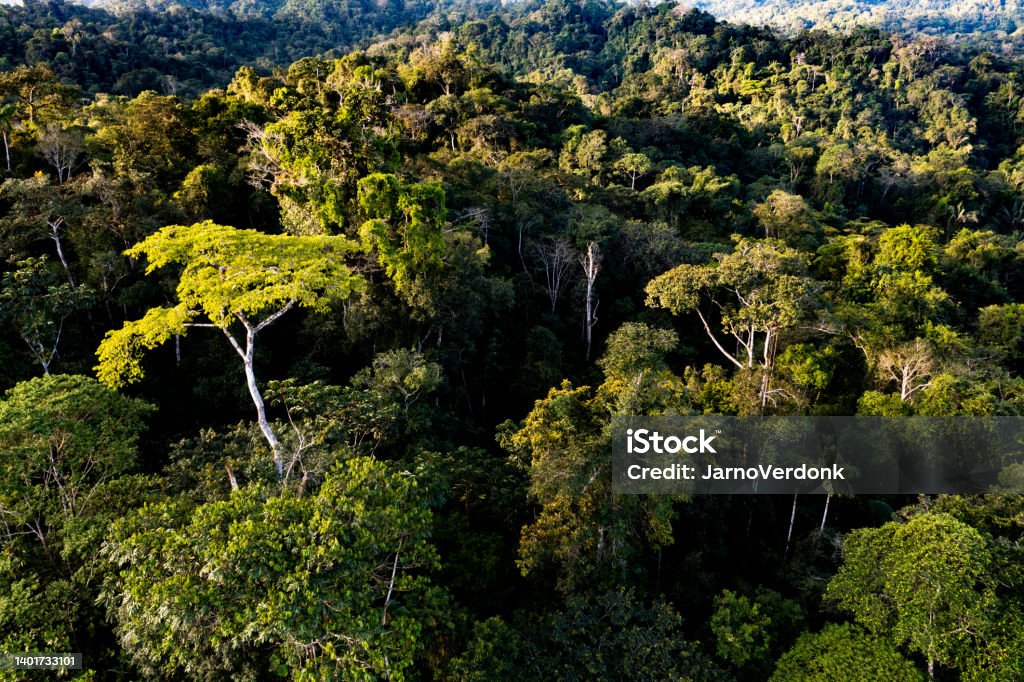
(313, 331)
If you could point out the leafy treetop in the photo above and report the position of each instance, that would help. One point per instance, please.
(229, 275)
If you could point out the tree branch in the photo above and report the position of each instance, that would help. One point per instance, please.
(234, 342)
(718, 345)
(272, 318)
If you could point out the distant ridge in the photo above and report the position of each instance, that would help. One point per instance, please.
(368, 15)
(934, 17)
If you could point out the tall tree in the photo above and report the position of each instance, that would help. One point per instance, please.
(761, 290)
(590, 261)
(231, 278)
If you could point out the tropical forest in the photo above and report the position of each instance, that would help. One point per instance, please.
(315, 316)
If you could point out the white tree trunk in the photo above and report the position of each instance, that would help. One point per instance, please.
(247, 355)
(792, 520)
(556, 257)
(257, 399)
(591, 262)
(55, 227)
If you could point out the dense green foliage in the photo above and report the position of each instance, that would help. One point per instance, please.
(183, 47)
(321, 586)
(831, 655)
(437, 266)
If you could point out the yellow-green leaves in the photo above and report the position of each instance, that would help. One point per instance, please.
(228, 276)
(680, 289)
(760, 289)
(120, 350)
(764, 283)
(228, 271)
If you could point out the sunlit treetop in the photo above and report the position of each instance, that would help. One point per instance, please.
(229, 276)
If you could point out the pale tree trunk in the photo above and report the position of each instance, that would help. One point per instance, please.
(824, 514)
(519, 247)
(43, 355)
(7, 150)
(387, 603)
(556, 257)
(792, 521)
(231, 477)
(257, 399)
(714, 339)
(40, 352)
(591, 262)
(767, 363)
(247, 354)
(55, 226)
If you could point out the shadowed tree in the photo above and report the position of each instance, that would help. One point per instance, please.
(69, 449)
(37, 304)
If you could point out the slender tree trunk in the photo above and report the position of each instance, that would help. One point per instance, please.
(391, 585)
(231, 477)
(257, 399)
(247, 354)
(824, 514)
(55, 226)
(7, 151)
(792, 520)
(387, 603)
(591, 262)
(588, 325)
(519, 246)
(714, 339)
